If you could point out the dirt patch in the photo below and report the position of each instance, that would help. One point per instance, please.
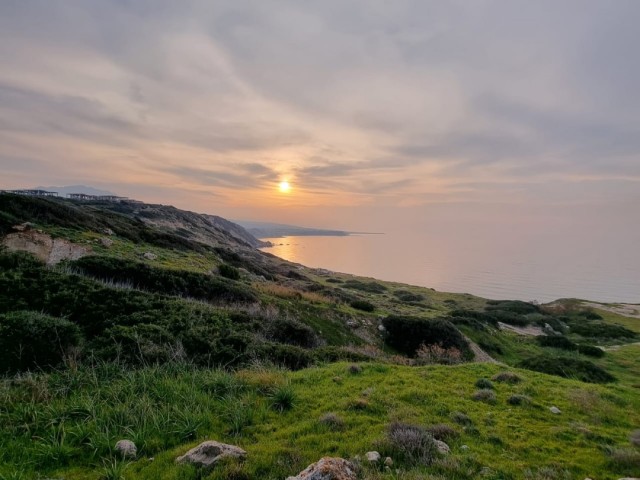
(528, 330)
(49, 250)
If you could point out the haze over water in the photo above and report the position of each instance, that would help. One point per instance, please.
(541, 267)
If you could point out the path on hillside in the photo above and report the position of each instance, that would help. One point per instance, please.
(480, 356)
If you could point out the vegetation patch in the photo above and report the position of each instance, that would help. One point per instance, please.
(568, 367)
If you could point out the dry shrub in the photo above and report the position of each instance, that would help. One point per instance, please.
(370, 351)
(485, 395)
(354, 369)
(507, 377)
(625, 459)
(332, 421)
(263, 380)
(430, 354)
(443, 432)
(517, 399)
(410, 443)
(634, 438)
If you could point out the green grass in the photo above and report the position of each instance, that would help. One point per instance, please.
(65, 424)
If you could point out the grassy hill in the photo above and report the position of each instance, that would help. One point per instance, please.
(169, 327)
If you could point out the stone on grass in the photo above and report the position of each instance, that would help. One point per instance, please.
(126, 448)
(208, 453)
(328, 468)
(149, 256)
(373, 457)
(388, 462)
(443, 448)
(555, 410)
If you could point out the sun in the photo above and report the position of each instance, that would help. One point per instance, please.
(284, 187)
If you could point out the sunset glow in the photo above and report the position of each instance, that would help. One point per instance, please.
(284, 187)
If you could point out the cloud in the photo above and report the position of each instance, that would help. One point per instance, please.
(363, 101)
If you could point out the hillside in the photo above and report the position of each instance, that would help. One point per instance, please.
(167, 328)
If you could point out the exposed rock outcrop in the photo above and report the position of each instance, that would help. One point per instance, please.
(49, 250)
(328, 468)
(208, 453)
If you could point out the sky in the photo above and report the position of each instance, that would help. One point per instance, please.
(378, 113)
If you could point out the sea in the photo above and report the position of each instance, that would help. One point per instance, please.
(542, 268)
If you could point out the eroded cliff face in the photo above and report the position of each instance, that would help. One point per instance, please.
(49, 250)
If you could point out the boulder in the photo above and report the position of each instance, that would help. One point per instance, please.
(328, 468)
(106, 242)
(149, 256)
(443, 448)
(373, 457)
(208, 453)
(108, 231)
(555, 410)
(126, 448)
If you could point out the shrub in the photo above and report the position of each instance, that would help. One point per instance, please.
(229, 271)
(514, 306)
(518, 400)
(430, 354)
(461, 419)
(292, 332)
(407, 334)
(33, 340)
(625, 459)
(568, 367)
(602, 330)
(507, 377)
(634, 438)
(484, 383)
(556, 341)
(590, 315)
(443, 432)
(482, 317)
(485, 395)
(332, 421)
(354, 369)
(363, 305)
(407, 296)
(591, 351)
(410, 443)
(289, 356)
(283, 398)
(370, 287)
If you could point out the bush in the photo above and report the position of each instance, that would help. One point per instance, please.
(354, 369)
(484, 383)
(332, 421)
(568, 367)
(363, 305)
(513, 306)
(292, 332)
(591, 351)
(485, 395)
(443, 432)
(410, 443)
(590, 315)
(461, 419)
(31, 340)
(407, 296)
(507, 377)
(518, 400)
(602, 330)
(288, 356)
(432, 354)
(556, 341)
(407, 334)
(482, 317)
(370, 287)
(229, 272)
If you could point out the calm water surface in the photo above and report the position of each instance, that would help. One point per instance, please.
(541, 268)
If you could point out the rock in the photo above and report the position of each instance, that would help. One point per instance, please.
(352, 324)
(108, 231)
(381, 328)
(106, 242)
(126, 448)
(23, 227)
(149, 256)
(328, 468)
(464, 447)
(555, 410)
(373, 457)
(443, 448)
(208, 453)
(388, 462)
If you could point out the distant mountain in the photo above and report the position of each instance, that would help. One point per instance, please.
(274, 230)
(64, 191)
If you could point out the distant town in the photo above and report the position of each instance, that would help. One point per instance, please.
(72, 196)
